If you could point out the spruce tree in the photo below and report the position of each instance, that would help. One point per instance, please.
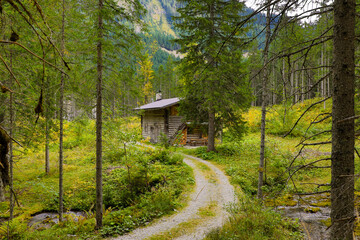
(213, 69)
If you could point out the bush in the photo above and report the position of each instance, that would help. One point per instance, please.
(202, 152)
(228, 149)
(249, 220)
(164, 157)
(15, 229)
(164, 141)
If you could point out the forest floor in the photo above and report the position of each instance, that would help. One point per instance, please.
(206, 210)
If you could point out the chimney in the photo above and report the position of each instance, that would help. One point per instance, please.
(158, 96)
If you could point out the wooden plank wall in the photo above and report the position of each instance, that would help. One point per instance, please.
(174, 123)
(153, 124)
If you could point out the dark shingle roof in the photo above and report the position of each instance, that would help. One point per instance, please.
(159, 104)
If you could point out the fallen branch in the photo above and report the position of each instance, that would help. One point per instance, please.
(315, 144)
(312, 193)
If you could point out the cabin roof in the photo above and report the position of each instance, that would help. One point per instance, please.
(159, 104)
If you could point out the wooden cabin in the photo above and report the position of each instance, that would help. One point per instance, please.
(162, 116)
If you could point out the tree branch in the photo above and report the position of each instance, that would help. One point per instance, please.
(34, 54)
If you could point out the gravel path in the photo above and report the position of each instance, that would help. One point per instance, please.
(206, 191)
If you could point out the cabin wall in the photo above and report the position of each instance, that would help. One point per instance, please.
(167, 121)
(174, 124)
(153, 123)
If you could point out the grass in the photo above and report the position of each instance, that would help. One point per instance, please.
(205, 213)
(207, 172)
(285, 176)
(139, 184)
(251, 221)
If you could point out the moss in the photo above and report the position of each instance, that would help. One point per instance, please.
(286, 200)
(325, 203)
(326, 222)
(312, 209)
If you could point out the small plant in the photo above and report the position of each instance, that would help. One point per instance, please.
(164, 141)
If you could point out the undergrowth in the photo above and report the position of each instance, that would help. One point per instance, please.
(240, 160)
(139, 184)
(249, 220)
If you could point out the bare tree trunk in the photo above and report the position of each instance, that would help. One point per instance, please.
(211, 131)
(211, 126)
(11, 159)
(61, 119)
(263, 105)
(291, 69)
(2, 190)
(302, 86)
(47, 129)
(296, 83)
(342, 155)
(99, 196)
(274, 92)
(284, 81)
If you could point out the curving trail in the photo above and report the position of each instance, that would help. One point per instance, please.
(208, 190)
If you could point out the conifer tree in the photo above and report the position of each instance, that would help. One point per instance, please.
(215, 82)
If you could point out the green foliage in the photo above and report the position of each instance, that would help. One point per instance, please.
(79, 133)
(249, 220)
(164, 140)
(240, 160)
(138, 181)
(213, 81)
(202, 153)
(280, 119)
(149, 207)
(15, 228)
(147, 189)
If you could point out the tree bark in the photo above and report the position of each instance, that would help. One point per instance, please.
(2, 189)
(47, 131)
(99, 196)
(211, 131)
(61, 119)
(342, 155)
(11, 159)
(263, 105)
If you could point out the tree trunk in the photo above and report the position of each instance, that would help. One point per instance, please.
(263, 105)
(61, 119)
(99, 197)
(211, 131)
(284, 81)
(4, 163)
(2, 190)
(47, 130)
(11, 159)
(342, 155)
(302, 86)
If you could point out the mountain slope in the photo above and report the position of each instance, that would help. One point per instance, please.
(159, 14)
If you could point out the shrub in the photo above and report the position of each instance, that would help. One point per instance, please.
(164, 141)
(249, 220)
